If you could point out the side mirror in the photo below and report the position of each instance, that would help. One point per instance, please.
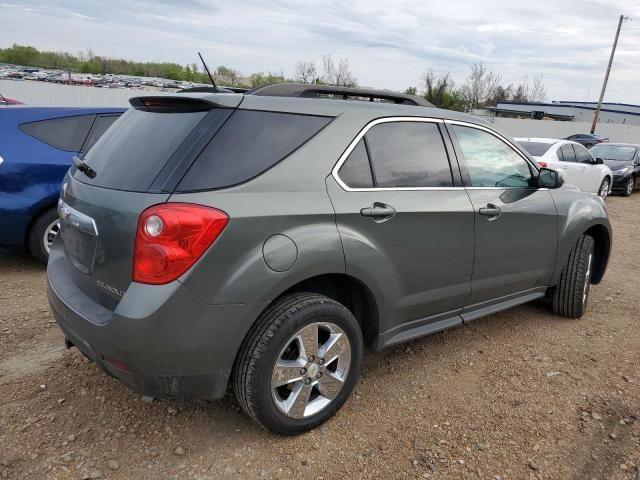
(599, 161)
(548, 178)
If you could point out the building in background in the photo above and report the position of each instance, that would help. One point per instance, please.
(617, 113)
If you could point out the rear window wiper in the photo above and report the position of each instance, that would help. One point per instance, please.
(83, 167)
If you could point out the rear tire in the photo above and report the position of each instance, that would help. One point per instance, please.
(42, 233)
(603, 191)
(275, 353)
(571, 295)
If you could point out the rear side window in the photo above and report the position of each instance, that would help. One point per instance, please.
(356, 170)
(131, 154)
(537, 149)
(248, 144)
(65, 133)
(568, 155)
(398, 155)
(408, 154)
(101, 124)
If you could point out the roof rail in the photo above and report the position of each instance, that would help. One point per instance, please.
(210, 89)
(319, 91)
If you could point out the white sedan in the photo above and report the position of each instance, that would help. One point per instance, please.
(574, 161)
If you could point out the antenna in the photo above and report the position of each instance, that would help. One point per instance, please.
(215, 87)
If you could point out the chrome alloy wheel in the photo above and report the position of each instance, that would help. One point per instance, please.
(630, 185)
(604, 189)
(50, 234)
(587, 281)
(311, 370)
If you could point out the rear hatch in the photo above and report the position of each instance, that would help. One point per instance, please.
(137, 164)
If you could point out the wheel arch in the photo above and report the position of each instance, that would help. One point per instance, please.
(347, 290)
(36, 213)
(350, 292)
(602, 250)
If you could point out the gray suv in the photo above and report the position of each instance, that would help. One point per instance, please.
(264, 240)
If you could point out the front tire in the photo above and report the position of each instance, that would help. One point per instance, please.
(571, 295)
(299, 364)
(42, 233)
(629, 186)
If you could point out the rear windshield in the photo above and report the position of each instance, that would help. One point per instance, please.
(248, 144)
(622, 153)
(535, 149)
(131, 154)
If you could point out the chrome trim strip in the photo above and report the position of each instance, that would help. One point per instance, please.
(361, 134)
(78, 219)
(507, 188)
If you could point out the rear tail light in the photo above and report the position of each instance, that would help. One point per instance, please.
(543, 164)
(171, 237)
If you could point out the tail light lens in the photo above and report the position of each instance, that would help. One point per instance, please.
(543, 164)
(171, 237)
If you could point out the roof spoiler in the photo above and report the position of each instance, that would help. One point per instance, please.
(346, 93)
(171, 104)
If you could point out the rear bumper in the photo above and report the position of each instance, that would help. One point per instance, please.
(161, 341)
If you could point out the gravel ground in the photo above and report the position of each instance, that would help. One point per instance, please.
(517, 395)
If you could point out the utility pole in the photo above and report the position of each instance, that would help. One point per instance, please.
(606, 76)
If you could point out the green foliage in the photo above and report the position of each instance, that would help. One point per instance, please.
(259, 79)
(87, 62)
(411, 91)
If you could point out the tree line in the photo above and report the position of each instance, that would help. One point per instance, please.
(481, 87)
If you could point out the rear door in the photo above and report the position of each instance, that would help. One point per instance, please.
(405, 221)
(516, 222)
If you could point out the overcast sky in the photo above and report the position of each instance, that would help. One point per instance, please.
(389, 43)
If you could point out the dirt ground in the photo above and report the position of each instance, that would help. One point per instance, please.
(517, 395)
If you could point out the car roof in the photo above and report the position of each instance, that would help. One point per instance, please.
(549, 141)
(329, 107)
(618, 144)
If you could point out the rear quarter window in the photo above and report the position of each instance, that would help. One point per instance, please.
(64, 133)
(248, 144)
(537, 149)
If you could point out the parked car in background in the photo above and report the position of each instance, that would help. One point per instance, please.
(4, 101)
(575, 162)
(624, 160)
(587, 139)
(265, 240)
(36, 149)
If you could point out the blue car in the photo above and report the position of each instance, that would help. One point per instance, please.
(36, 149)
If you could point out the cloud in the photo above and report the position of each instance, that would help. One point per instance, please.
(568, 42)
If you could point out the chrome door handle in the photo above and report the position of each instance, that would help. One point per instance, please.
(491, 211)
(379, 212)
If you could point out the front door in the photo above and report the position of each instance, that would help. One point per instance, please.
(516, 222)
(405, 223)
